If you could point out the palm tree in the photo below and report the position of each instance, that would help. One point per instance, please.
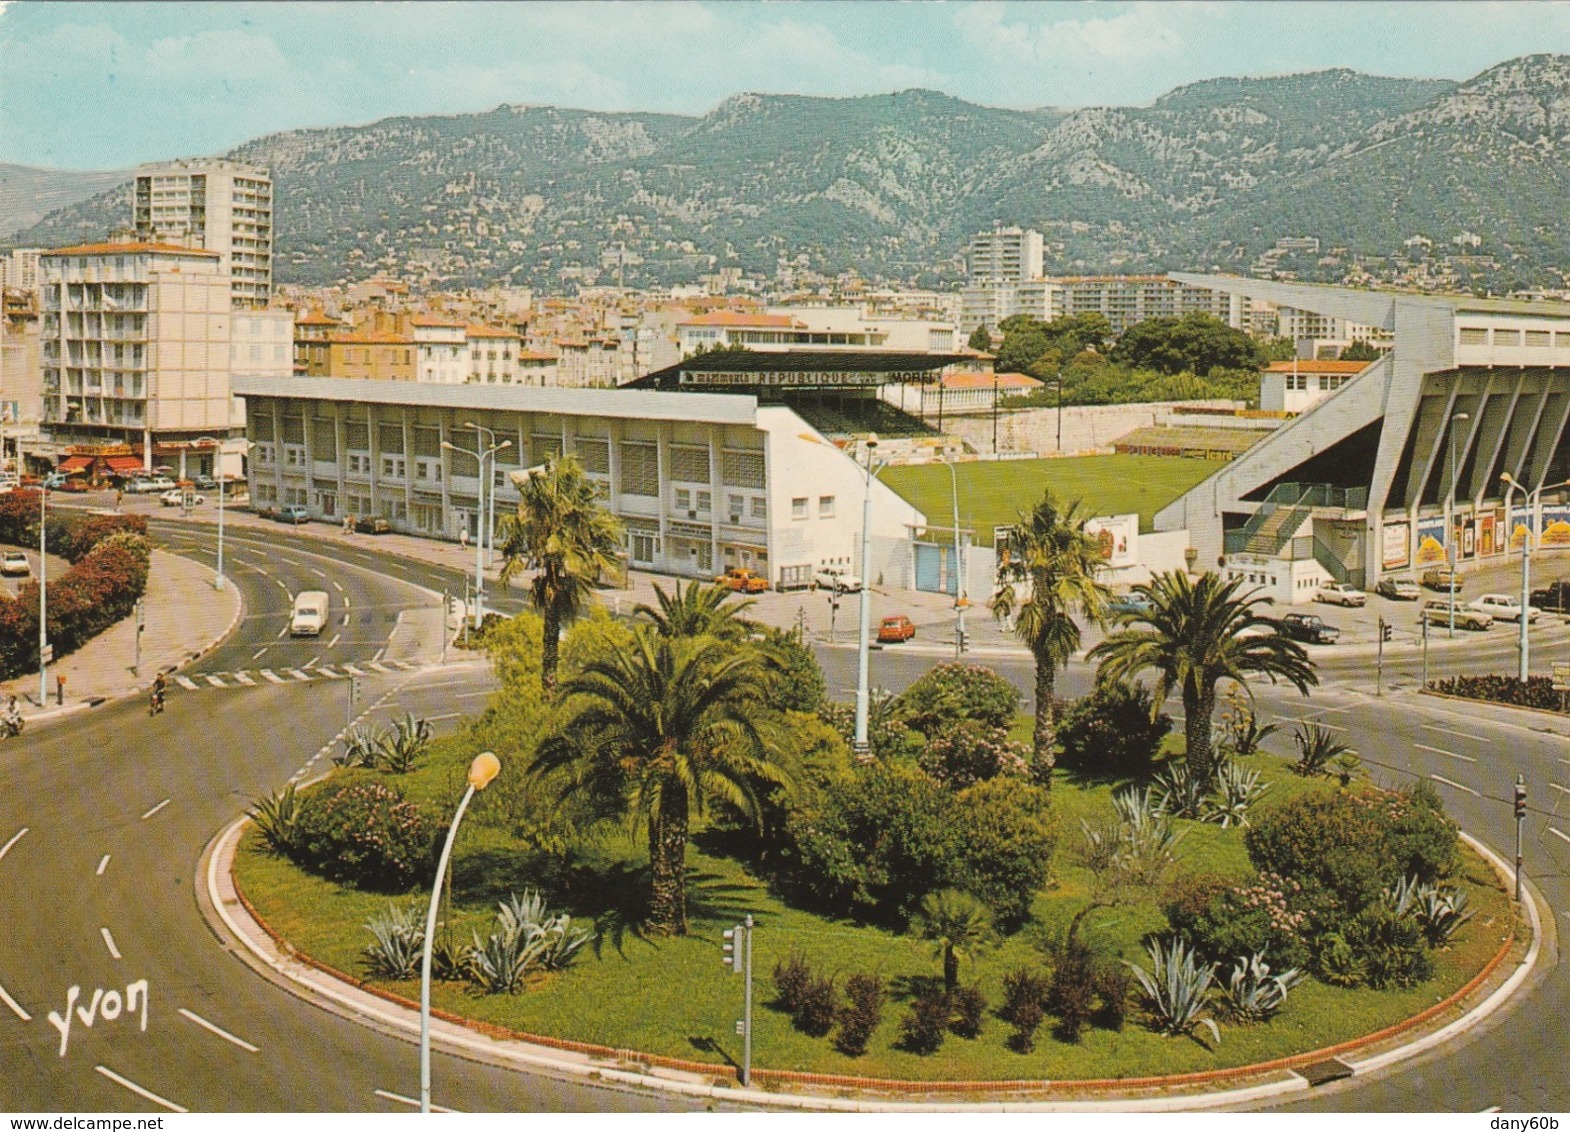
(562, 532)
(661, 728)
(958, 923)
(1049, 549)
(1196, 634)
(698, 610)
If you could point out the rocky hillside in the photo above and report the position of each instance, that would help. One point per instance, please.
(27, 195)
(1212, 173)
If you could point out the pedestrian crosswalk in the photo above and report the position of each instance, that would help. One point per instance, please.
(248, 678)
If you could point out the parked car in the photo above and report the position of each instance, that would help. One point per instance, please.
(150, 485)
(372, 525)
(54, 480)
(837, 580)
(264, 511)
(739, 579)
(892, 630)
(1341, 593)
(204, 483)
(13, 563)
(75, 485)
(1440, 578)
(1502, 607)
(293, 513)
(1398, 589)
(1438, 612)
(1554, 597)
(176, 497)
(1133, 605)
(1309, 628)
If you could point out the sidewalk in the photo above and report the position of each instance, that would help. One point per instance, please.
(184, 617)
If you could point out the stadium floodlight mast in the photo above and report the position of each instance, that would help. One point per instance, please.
(861, 746)
(1450, 533)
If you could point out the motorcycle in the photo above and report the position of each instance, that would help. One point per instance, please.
(10, 725)
(155, 701)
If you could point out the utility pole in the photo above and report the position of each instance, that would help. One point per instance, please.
(136, 661)
(738, 957)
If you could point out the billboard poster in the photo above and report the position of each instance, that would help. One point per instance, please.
(1520, 526)
(1467, 529)
(1118, 536)
(1396, 549)
(1430, 542)
(1488, 527)
(1556, 526)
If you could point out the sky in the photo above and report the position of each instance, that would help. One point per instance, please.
(104, 86)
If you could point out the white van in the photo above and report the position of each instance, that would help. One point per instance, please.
(310, 614)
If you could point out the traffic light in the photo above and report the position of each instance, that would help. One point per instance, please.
(1386, 630)
(733, 948)
(1520, 798)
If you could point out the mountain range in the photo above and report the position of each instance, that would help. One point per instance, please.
(1211, 174)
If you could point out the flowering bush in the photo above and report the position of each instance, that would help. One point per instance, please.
(969, 752)
(949, 693)
(1112, 731)
(1536, 692)
(100, 589)
(364, 833)
(1230, 921)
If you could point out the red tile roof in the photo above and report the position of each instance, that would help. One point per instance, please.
(737, 318)
(317, 318)
(475, 330)
(433, 320)
(974, 379)
(131, 249)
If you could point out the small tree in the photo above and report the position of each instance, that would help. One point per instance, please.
(958, 924)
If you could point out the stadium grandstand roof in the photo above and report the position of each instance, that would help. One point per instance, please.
(814, 369)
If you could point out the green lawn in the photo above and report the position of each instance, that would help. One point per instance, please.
(672, 997)
(992, 493)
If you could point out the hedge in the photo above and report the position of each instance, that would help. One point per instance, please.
(109, 556)
(1536, 692)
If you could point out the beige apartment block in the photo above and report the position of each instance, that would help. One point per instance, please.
(135, 347)
(222, 206)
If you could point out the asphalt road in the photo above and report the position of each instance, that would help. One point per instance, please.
(116, 808)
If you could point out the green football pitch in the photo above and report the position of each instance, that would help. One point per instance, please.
(991, 494)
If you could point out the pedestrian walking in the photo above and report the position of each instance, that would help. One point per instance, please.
(463, 537)
(119, 497)
(348, 524)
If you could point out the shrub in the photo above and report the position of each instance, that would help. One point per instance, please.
(818, 1006)
(364, 833)
(860, 1015)
(791, 976)
(922, 1030)
(1440, 913)
(1176, 988)
(1027, 1020)
(1538, 691)
(1111, 982)
(1021, 988)
(1071, 993)
(1227, 920)
(796, 681)
(954, 692)
(1252, 993)
(1336, 963)
(398, 940)
(1317, 747)
(359, 748)
(1240, 733)
(967, 752)
(968, 1007)
(554, 942)
(1390, 946)
(277, 818)
(499, 963)
(1010, 836)
(1112, 731)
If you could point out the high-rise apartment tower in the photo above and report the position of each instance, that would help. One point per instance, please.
(219, 206)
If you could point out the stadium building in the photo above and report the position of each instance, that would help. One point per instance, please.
(1405, 460)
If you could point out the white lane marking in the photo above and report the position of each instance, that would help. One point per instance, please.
(281, 585)
(345, 621)
(328, 671)
(337, 585)
(1561, 789)
(318, 573)
(336, 638)
(1457, 785)
(271, 677)
(283, 631)
(312, 662)
(102, 865)
(215, 682)
(222, 1033)
(1310, 722)
(6, 848)
(109, 942)
(354, 670)
(290, 561)
(1565, 761)
(1442, 751)
(138, 1090)
(1461, 734)
(468, 695)
(244, 679)
(1490, 1108)
(297, 674)
(378, 665)
(410, 1101)
(1563, 836)
(376, 658)
(258, 653)
(347, 603)
(439, 718)
(156, 808)
(15, 1006)
(186, 682)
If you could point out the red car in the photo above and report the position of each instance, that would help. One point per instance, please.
(893, 630)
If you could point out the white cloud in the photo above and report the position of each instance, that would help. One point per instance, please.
(1143, 31)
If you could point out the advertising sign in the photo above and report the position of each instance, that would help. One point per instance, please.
(1430, 542)
(1487, 527)
(1118, 536)
(1466, 529)
(1520, 526)
(1556, 526)
(1397, 545)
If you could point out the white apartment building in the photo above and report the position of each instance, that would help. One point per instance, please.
(1311, 331)
(495, 356)
(441, 350)
(19, 269)
(135, 347)
(701, 481)
(1296, 386)
(794, 328)
(1005, 255)
(1123, 299)
(222, 206)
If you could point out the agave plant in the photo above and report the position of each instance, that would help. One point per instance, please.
(277, 817)
(1177, 988)
(518, 914)
(1441, 912)
(360, 748)
(1317, 748)
(1236, 790)
(1252, 993)
(1182, 794)
(1404, 894)
(500, 962)
(401, 744)
(1135, 805)
(399, 939)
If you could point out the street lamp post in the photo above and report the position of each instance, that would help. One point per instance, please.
(489, 534)
(43, 594)
(1532, 498)
(1450, 533)
(960, 601)
(1060, 412)
(482, 770)
(245, 446)
(863, 655)
(479, 543)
